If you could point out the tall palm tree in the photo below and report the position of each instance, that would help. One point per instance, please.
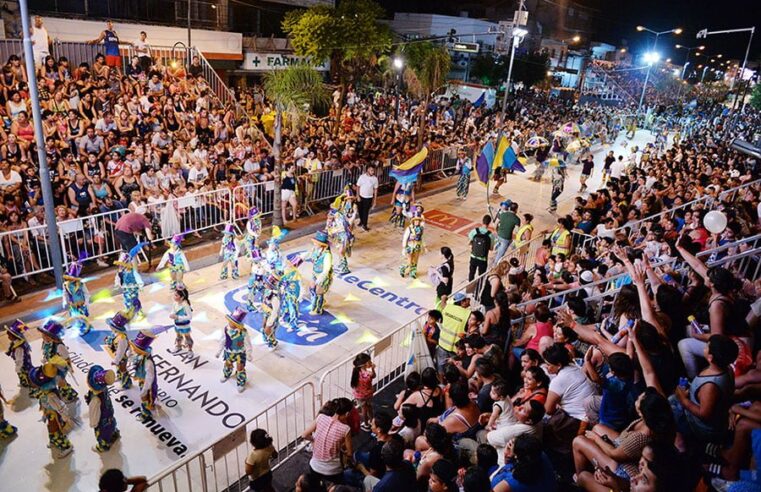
(292, 91)
(427, 69)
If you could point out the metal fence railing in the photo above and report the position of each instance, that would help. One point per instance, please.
(220, 466)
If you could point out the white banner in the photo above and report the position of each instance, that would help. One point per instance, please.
(264, 62)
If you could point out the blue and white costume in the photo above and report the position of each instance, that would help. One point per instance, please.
(128, 279)
(176, 260)
(76, 299)
(235, 348)
(229, 252)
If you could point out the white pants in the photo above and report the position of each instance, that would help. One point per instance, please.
(691, 351)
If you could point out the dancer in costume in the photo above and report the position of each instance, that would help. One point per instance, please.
(235, 348)
(55, 352)
(273, 256)
(464, 168)
(290, 288)
(404, 195)
(255, 280)
(322, 271)
(117, 345)
(558, 183)
(229, 252)
(6, 430)
(339, 228)
(145, 372)
(20, 351)
(412, 242)
(182, 314)
(128, 279)
(175, 258)
(271, 306)
(101, 410)
(253, 231)
(76, 299)
(54, 412)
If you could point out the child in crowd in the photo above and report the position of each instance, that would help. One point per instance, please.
(612, 408)
(362, 385)
(432, 329)
(258, 461)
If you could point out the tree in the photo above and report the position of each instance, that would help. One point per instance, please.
(427, 66)
(490, 70)
(755, 97)
(349, 36)
(530, 68)
(292, 92)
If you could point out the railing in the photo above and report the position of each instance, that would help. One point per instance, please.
(220, 466)
(217, 85)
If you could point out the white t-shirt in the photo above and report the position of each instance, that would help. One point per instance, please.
(367, 185)
(12, 179)
(40, 38)
(617, 169)
(196, 175)
(573, 388)
(142, 48)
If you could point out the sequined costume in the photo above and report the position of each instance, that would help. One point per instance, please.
(402, 203)
(55, 352)
(322, 272)
(54, 411)
(145, 372)
(235, 348)
(128, 279)
(100, 407)
(558, 183)
(6, 429)
(20, 351)
(117, 346)
(183, 315)
(76, 299)
(464, 168)
(412, 243)
(340, 232)
(229, 252)
(175, 259)
(253, 231)
(271, 310)
(290, 288)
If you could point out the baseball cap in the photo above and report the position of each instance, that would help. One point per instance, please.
(586, 277)
(459, 297)
(506, 203)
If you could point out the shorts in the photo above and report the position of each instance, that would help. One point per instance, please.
(286, 195)
(441, 358)
(114, 61)
(261, 483)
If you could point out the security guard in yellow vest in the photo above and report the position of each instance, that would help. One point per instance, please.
(455, 316)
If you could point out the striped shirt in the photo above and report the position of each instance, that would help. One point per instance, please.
(328, 438)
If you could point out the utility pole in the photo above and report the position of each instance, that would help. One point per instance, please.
(520, 19)
(47, 190)
(705, 33)
(190, 4)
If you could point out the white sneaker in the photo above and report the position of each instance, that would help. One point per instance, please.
(223, 379)
(241, 388)
(102, 263)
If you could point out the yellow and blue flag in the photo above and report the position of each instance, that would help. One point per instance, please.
(408, 171)
(484, 163)
(507, 156)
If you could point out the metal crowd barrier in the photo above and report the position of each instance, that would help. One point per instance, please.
(246, 196)
(27, 251)
(90, 237)
(221, 465)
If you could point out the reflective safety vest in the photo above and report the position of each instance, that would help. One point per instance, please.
(519, 241)
(558, 238)
(455, 318)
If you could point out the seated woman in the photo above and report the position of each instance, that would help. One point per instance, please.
(460, 420)
(527, 468)
(602, 447)
(429, 399)
(535, 386)
(439, 447)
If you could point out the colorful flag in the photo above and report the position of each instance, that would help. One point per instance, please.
(507, 156)
(481, 99)
(408, 171)
(484, 163)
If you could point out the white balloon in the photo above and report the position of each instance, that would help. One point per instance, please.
(715, 222)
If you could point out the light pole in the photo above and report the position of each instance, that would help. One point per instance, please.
(687, 58)
(518, 35)
(190, 4)
(704, 33)
(47, 190)
(677, 30)
(398, 66)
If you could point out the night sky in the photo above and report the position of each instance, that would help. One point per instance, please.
(615, 21)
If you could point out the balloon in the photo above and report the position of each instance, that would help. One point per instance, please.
(715, 222)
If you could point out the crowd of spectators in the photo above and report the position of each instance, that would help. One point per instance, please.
(620, 392)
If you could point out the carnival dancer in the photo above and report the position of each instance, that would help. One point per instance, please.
(464, 167)
(271, 308)
(76, 299)
(255, 280)
(340, 233)
(253, 231)
(322, 271)
(175, 258)
(182, 314)
(117, 345)
(20, 351)
(229, 252)
(235, 348)
(412, 242)
(404, 195)
(129, 280)
(272, 255)
(100, 407)
(290, 289)
(55, 352)
(54, 411)
(6, 429)
(145, 372)
(558, 183)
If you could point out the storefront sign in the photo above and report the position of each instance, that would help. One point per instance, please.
(264, 62)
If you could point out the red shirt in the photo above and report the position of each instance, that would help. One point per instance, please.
(132, 222)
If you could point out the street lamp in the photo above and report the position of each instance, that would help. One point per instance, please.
(576, 38)
(677, 30)
(689, 50)
(398, 63)
(518, 35)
